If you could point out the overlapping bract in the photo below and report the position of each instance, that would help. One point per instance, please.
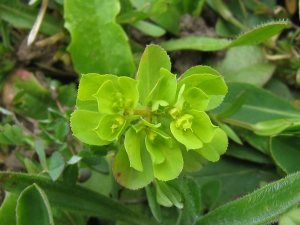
(165, 120)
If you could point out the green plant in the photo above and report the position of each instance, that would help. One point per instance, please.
(143, 131)
(161, 117)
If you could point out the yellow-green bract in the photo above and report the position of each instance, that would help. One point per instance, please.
(163, 118)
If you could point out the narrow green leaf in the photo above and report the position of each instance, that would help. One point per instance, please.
(234, 105)
(103, 49)
(19, 15)
(192, 199)
(154, 206)
(195, 43)
(258, 207)
(230, 133)
(272, 127)
(285, 152)
(56, 165)
(253, 37)
(39, 148)
(168, 193)
(260, 33)
(8, 209)
(39, 212)
(149, 28)
(248, 153)
(32, 166)
(153, 59)
(73, 198)
(263, 104)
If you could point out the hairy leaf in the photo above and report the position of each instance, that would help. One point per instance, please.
(73, 198)
(253, 37)
(258, 207)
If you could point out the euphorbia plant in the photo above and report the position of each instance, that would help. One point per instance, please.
(158, 121)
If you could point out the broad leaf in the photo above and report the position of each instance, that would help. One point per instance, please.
(285, 152)
(90, 83)
(103, 49)
(83, 125)
(258, 207)
(128, 176)
(246, 64)
(218, 145)
(39, 211)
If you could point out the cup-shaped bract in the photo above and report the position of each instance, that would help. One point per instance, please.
(165, 154)
(192, 129)
(106, 103)
(117, 95)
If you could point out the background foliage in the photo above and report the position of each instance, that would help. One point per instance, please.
(47, 44)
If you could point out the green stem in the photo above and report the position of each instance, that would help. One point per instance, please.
(178, 222)
(237, 123)
(141, 112)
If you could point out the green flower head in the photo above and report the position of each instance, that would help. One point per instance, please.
(160, 119)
